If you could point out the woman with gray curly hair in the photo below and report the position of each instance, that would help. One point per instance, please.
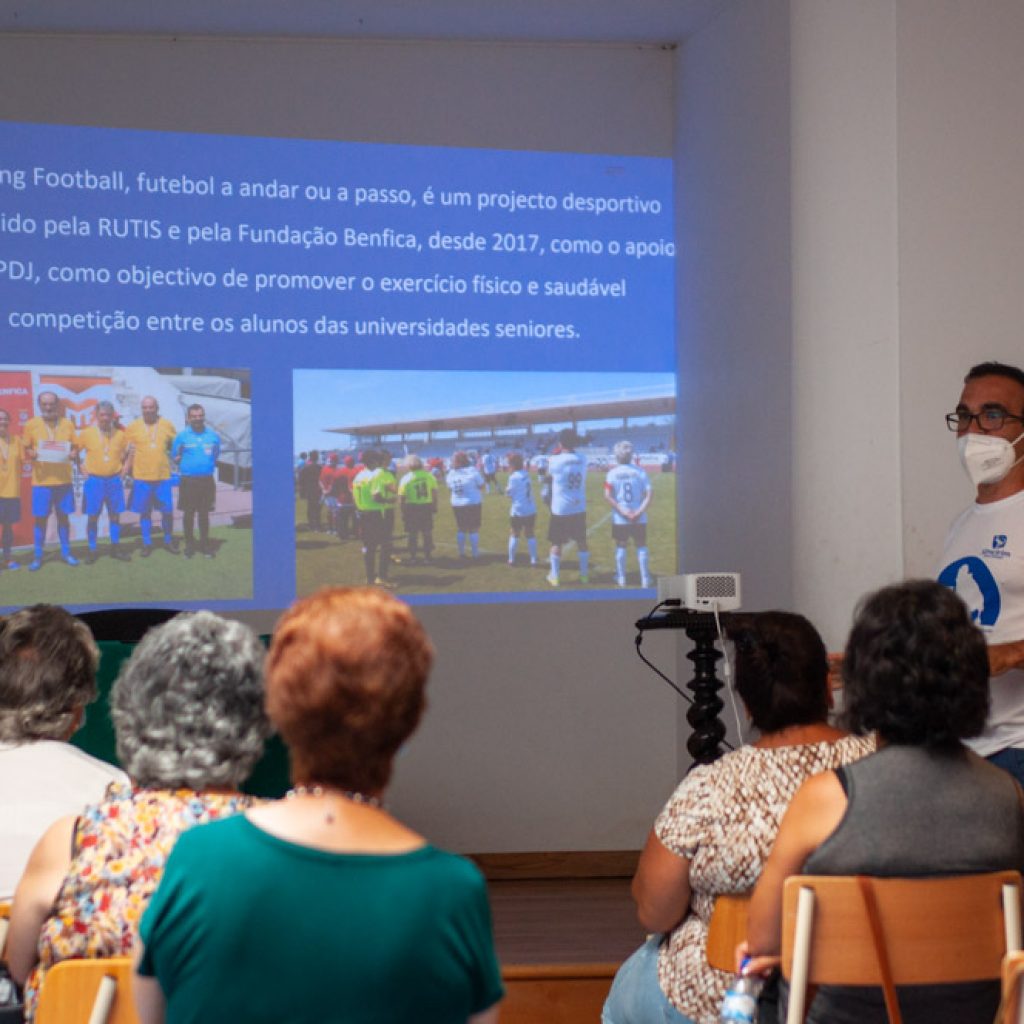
(188, 714)
(48, 662)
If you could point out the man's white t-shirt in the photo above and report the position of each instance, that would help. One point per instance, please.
(983, 561)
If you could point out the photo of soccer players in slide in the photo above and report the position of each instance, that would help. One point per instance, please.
(124, 484)
(476, 482)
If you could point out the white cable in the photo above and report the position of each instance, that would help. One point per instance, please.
(727, 672)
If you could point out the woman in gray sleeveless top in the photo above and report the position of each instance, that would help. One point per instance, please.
(916, 671)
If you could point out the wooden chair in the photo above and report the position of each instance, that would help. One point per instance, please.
(929, 931)
(1013, 997)
(5, 923)
(727, 929)
(88, 992)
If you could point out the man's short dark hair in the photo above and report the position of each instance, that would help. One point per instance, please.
(994, 369)
(568, 438)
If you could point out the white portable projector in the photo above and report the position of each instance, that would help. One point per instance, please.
(702, 591)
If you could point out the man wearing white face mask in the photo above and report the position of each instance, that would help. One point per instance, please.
(983, 559)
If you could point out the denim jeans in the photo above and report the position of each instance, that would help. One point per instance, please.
(635, 996)
(1010, 759)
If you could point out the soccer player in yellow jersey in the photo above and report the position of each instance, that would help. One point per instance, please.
(417, 491)
(49, 441)
(106, 449)
(376, 492)
(149, 444)
(12, 457)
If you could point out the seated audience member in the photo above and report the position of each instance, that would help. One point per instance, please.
(188, 714)
(916, 672)
(322, 906)
(716, 830)
(48, 662)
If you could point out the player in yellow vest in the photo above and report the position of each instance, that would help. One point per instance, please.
(105, 447)
(376, 492)
(417, 491)
(12, 456)
(150, 438)
(49, 440)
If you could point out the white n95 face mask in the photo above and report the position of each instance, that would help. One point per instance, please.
(986, 458)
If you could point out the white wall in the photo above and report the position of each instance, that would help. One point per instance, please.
(847, 536)
(908, 247)
(961, 160)
(733, 195)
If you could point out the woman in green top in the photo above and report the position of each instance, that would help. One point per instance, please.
(322, 907)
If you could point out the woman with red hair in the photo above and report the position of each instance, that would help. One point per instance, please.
(323, 906)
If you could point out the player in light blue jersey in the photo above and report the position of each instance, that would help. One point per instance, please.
(196, 451)
(522, 510)
(466, 486)
(628, 491)
(568, 472)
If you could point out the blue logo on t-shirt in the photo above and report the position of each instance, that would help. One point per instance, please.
(999, 540)
(976, 586)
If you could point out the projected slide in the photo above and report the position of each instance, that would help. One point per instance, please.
(96, 466)
(480, 273)
(501, 430)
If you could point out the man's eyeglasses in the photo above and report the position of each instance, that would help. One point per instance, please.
(987, 420)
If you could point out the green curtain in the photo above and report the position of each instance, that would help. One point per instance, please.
(269, 778)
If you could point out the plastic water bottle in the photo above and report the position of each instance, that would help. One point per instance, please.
(740, 1003)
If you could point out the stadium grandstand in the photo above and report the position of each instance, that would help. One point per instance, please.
(643, 415)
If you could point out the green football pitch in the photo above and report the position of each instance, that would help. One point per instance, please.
(159, 578)
(322, 559)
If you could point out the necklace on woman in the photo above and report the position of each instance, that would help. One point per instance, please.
(349, 794)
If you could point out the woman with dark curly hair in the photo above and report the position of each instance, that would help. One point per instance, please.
(915, 672)
(188, 714)
(322, 906)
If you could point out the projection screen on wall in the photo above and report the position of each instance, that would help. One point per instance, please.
(412, 305)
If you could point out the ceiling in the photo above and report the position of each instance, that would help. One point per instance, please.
(663, 22)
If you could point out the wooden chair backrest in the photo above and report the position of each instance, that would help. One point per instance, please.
(88, 992)
(936, 929)
(727, 929)
(1013, 980)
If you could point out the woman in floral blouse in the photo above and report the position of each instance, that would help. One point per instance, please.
(714, 834)
(188, 713)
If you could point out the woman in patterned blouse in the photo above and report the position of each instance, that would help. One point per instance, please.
(188, 713)
(714, 834)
